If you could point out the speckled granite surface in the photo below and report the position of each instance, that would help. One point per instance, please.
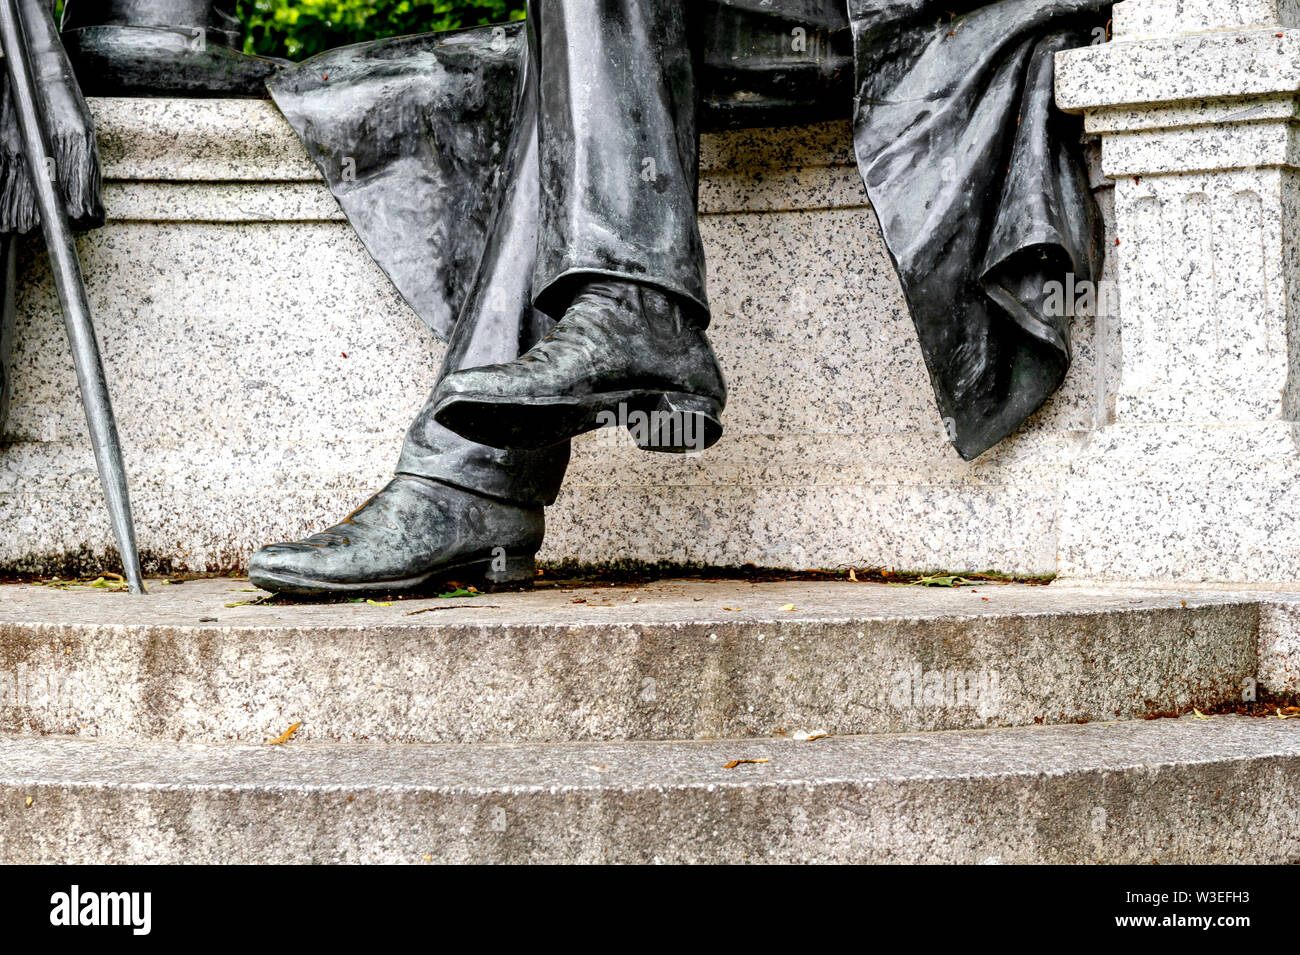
(265, 372)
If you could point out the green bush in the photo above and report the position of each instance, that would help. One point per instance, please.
(298, 29)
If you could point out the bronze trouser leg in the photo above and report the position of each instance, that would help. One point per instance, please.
(497, 323)
(600, 179)
(619, 151)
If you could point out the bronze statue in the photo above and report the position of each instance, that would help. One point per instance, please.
(531, 192)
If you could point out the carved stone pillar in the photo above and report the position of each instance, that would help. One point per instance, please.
(1197, 475)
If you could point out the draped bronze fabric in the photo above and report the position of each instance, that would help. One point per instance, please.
(976, 179)
(980, 190)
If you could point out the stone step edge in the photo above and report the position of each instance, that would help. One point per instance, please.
(55, 761)
(1218, 790)
(547, 673)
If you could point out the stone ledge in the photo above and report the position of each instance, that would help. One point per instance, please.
(215, 140)
(195, 140)
(209, 160)
(1180, 68)
(1138, 18)
(666, 660)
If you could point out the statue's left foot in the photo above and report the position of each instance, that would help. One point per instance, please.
(414, 532)
(623, 355)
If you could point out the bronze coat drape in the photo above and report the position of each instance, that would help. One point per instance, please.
(977, 180)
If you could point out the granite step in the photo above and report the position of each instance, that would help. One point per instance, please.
(668, 660)
(1219, 790)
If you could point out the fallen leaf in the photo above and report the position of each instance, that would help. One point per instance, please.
(457, 607)
(251, 603)
(1200, 715)
(787, 608)
(29, 800)
(942, 580)
(1285, 716)
(99, 583)
(285, 736)
(376, 603)
(740, 762)
(733, 609)
(852, 576)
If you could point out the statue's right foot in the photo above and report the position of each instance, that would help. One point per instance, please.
(624, 354)
(412, 533)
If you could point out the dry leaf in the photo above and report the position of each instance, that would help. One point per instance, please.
(251, 603)
(29, 800)
(807, 736)
(733, 609)
(787, 608)
(286, 735)
(415, 613)
(852, 576)
(942, 580)
(1200, 715)
(739, 762)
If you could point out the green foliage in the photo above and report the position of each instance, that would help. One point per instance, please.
(297, 29)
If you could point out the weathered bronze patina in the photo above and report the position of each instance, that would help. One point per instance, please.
(514, 180)
(531, 191)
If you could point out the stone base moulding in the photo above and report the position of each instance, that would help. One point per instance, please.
(264, 372)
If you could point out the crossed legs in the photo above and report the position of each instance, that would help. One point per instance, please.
(595, 229)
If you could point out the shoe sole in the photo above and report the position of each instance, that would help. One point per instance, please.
(666, 422)
(516, 570)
